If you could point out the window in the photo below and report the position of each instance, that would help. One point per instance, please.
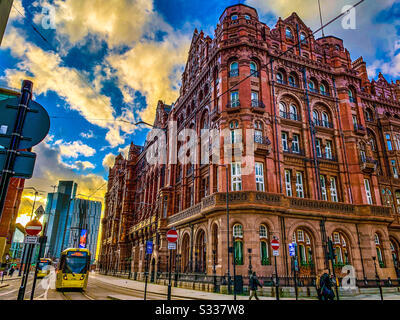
(254, 99)
(398, 200)
(304, 248)
(322, 89)
(299, 185)
(394, 167)
(236, 173)
(389, 142)
(234, 17)
(311, 85)
(234, 125)
(328, 150)
(285, 141)
(368, 191)
(363, 156)
(334, 194)
(253, 69)
(263, 231)
(258, 133)
(235, 99)
(325, 120)
(318, 147)
(292, 81)
(238, 231)
(355, 123)
(303, 38)
(288, 183)
(289, 33)
(379, 250)
(341, 250)
(316, 117)
(259, 168)
(323, 188)
(296, 143)
(238, 252)
(282, 110)
(247, 17)
(234, 69)
(351, 96)
(293, 113)
(279, 78)
(264, 254)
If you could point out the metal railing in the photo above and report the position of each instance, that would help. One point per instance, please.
(289, 115)
(233, 104)
(323, 123)
(262, 140)
(257, 104)
(234, 73)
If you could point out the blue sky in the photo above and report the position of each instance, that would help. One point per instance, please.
(115, 59)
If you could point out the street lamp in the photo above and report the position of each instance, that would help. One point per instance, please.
(377, 278)
(227, 224)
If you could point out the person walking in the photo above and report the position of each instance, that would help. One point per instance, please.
(326, 288)
(11, 271)
(254, 284)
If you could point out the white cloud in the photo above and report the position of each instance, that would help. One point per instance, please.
(74, 149)
(87, 135)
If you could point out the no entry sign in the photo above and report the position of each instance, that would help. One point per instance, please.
(275, 244)
(172, 235)
(33, 227)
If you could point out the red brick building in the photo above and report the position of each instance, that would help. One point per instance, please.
(327, 154)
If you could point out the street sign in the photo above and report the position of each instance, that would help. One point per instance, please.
(149, 247)
(37, 123)
(33, 227)
(39, 212)
(23, 165)
(292, 249)
(275, 253)
(31, 240)
(172, 235)
(171, 245)
(275, 244)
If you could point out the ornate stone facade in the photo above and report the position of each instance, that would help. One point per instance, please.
(327, 152)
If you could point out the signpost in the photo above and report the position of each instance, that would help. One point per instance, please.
(172, 237)
(149, 251)
(32, 228)
(24, 124)
(275, 247)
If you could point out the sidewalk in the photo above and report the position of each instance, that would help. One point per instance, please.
(176, 292)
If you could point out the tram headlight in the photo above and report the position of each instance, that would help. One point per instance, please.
(82, 277)
(65, 277)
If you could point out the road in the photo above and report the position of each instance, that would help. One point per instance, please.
(96, 290)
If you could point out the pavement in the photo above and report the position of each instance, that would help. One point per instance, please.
(188, 294)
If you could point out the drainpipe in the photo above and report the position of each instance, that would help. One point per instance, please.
(278, 165)
(343, 142)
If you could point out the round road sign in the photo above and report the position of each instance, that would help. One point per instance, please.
(172, 235)
(275, 244)
(33, 227)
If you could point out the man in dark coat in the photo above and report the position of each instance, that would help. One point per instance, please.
(326, 288)
(254, 284)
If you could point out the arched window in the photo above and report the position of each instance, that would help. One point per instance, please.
(215, 243)
(394, 248)
(368, 115)
(379, 250)
(289, 33)
(282, 110)
(304, 248)
(238, 231)
(325, 120)
(279, 77)
(253, 69)
(322, 89)
(234, 17)
(311, 85)
(258, 132)
(234, 125)
(234, 69)
(351, 96)
(185, 250)
(292, 81)
(398, 200)
(303, 38)
(264, 247)
(316, 117)
(200, 253)
(238, 245)
(340, 245)
(294, 115)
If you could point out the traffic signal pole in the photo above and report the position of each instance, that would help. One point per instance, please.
(21, 292)
(7, 172)
(42, 243)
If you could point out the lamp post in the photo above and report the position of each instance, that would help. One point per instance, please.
(214, 252)
(377, 278)
(249, 250)
(227, 225)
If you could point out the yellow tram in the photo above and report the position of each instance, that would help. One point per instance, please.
(44, 267)
(73, 269)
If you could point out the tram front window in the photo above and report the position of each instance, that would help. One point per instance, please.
(76, 264)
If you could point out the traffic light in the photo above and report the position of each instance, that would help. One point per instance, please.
(331, 250)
